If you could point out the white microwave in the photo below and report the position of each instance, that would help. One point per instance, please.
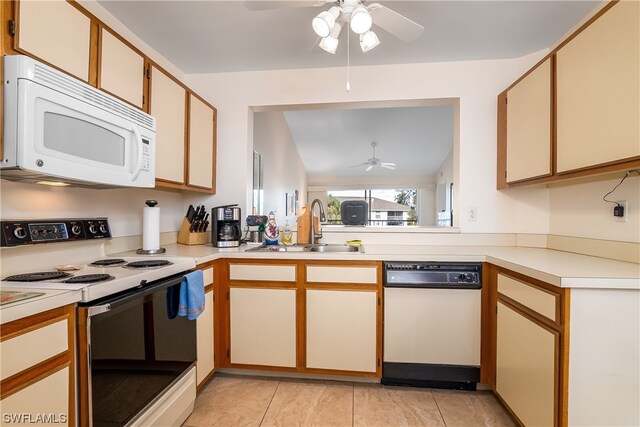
(59, 130)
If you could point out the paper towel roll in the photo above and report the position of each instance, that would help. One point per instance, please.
(151, 228)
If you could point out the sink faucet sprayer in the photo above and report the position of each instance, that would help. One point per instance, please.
(312, 235)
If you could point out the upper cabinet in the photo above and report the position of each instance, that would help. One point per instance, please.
(598, 79)
(167, 103)
(577, 113)
(529, 125)
(202, 142)
(56, 32)
(121, 69)
(66, 36)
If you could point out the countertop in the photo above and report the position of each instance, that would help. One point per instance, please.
(562, 269)
(49, 300)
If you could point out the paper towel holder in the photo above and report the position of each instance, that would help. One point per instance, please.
(141, 251)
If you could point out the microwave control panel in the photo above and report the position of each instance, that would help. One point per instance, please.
(20, 233)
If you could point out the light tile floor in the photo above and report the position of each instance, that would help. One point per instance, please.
(237, 401)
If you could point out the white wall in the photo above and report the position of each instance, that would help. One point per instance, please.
(578, 209)
(475, 83)
(284, 171)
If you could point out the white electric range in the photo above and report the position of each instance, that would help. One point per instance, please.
(127, 315)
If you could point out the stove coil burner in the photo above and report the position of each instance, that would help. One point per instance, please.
(89, 278)
(37, 277)
(107, 262)
(149, 263)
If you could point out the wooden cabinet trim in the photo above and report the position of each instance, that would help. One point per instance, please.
(501, 175)
(24, 379)
(585, 25)
(36, 321)
(553, 294)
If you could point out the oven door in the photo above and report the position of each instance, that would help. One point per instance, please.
(136, 352)
(59, 135)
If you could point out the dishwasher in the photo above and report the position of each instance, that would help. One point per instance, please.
(432, 324)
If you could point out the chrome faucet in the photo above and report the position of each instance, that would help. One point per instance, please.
(312, 235)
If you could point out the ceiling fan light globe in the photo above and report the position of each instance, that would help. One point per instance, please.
(368, 41)
(361, 20)
(329, 44)
(324, 22)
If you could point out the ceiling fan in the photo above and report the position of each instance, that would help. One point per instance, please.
(374, 161)
(354, 13)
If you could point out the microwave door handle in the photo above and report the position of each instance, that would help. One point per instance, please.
(138, 168)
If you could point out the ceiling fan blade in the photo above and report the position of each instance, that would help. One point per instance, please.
(388, 166)
(369, 168)
(400, 26)
(271, 4)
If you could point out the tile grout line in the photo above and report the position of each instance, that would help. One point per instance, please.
(353, 404)
(269, 405)
(438, 406)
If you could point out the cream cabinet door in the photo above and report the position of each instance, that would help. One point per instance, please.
(598, 91)
(168, 106)
(205, 340)
(525, 367)
(201, 143)
(57, 33)
(46, 397)
(121, 71)
(263, 326)
(529, 125)
(341, 330)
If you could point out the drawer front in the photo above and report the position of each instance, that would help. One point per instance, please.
(33, 347)
(208, 275)
(536, 299)
(262, 273)
(49, 396)
(334, 274)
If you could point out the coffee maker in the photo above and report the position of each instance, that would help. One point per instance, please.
(226, 232)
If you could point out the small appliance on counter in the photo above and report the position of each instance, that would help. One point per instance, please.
(151, 229)
(255, 228)
(226, 232)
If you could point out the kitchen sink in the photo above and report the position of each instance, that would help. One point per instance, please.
(333, 248)
(321, 247)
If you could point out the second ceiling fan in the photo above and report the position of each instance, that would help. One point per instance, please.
(373, 161)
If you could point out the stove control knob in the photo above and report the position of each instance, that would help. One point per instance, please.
(92, 229)
(461, 277)
(75, 229)
(103, 229)
(19, 232)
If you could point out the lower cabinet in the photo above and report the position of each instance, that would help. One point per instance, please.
(263, 326)
(302, 316)
(37, 370)
(525, 367)
(341, 330)
(531, 342)
(205, 331)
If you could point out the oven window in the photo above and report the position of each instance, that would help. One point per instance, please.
(69, 135)
(137, 351)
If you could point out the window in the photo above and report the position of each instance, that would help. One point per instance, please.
(386, 207)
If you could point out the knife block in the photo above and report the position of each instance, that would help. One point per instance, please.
(186, 237)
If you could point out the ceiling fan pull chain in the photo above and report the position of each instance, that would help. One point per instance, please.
(348, 57)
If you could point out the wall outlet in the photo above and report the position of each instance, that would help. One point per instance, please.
(472, 214)
(624, 204)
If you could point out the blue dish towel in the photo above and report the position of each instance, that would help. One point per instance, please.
(192, 295)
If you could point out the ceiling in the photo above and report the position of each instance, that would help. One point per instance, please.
(220, 36)
(330, 142)
(226, 36)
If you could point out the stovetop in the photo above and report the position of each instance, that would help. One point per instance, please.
(97, 281)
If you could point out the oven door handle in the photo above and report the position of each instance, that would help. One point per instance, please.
(137, 293)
